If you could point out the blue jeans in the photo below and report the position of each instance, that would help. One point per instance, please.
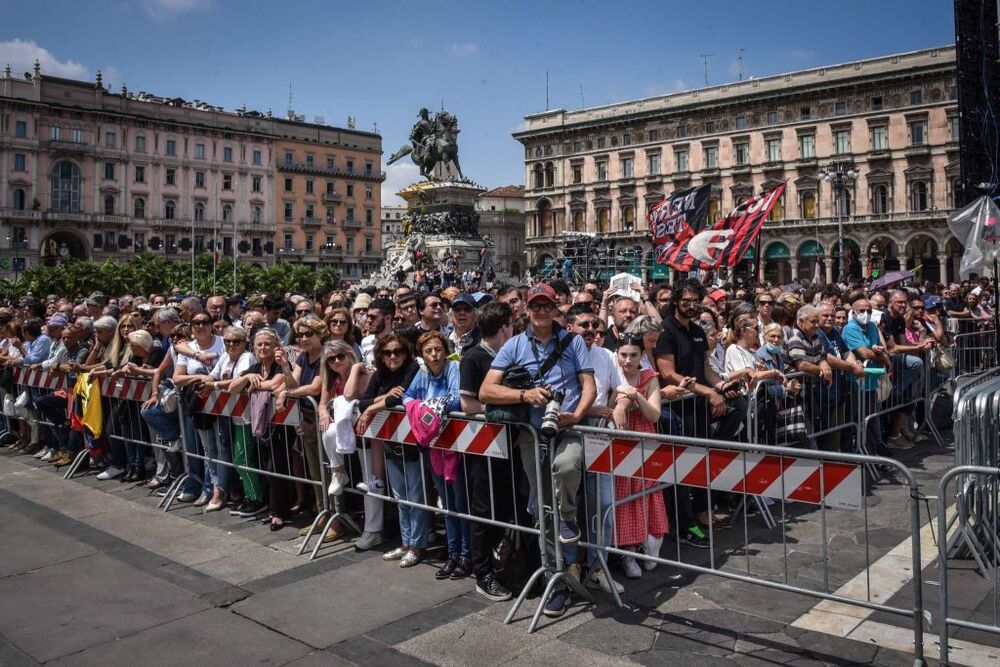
(909, 377)
(407, 481)
(165, 426)
(454, 499)
(209, 440)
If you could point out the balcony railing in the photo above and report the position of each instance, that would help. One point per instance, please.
(312, 222)
(69, 146)
(353, 224)
(19, 214)
(112, 219)
(332, 198)
(331, 171)
(863, 219)
(69, 217)
(256, 226)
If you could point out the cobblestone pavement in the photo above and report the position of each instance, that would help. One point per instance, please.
(92, 573)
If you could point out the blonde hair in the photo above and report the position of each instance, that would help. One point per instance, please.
(643, 325)
(314, 324)
(742, 322)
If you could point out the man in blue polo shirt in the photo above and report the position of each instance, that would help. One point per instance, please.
(862, 338)
(571, 373)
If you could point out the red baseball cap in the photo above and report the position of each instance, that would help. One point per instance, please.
(718, 295)
(542, 291)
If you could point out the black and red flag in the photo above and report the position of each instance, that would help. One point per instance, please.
(684, 240)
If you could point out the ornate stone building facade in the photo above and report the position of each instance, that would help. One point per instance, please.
(891, 121)
(92, 174)
(501, 217)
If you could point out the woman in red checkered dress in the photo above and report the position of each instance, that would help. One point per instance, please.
(637, 408)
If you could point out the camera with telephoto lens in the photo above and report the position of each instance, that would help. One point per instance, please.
(550, 420)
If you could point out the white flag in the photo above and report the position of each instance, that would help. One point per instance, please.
(977, 226)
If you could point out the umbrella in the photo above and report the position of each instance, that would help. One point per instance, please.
(890, 279)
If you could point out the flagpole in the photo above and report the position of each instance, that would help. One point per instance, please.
(236, 250)
(215, 250)
(192, 253)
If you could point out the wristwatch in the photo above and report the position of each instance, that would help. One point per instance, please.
(522, 396)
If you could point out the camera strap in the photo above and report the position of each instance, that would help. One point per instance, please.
(562, 343)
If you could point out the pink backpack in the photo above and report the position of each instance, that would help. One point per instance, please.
(425, 422)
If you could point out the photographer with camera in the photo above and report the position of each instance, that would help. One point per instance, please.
(558, 391)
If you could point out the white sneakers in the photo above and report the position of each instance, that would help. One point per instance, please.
(48, 455)
(631, 567)
(42, 453)
(373, 484)
(652, 545)
(599, 582)
(337, 484)
(110, 472)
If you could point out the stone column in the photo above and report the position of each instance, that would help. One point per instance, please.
(829, 270)
(794, 264)
(943, 268)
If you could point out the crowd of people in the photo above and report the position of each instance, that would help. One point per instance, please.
(670, 358)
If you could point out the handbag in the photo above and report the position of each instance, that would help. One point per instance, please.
(941, 360)
(261, 411)
(8, 405)
(21, 403)
(791, 423)
(884, 388)
(168, 397)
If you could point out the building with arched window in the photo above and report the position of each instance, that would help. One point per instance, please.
(101, 174)
(892, 119)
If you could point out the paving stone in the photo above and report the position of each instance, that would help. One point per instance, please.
(776, 641)
(829, 647)
(772, 657)
(366, 651)
(96, 597)
(29, 546)
(375, 592)
(617, 633)
(558, 652)
(472, 641)
(725, 620)
(884, 538)
(425, 620)
(673, 658)
(671, 638)
(212, 637)
(320, 659)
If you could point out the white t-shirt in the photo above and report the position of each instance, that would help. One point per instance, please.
(8, 348)
(226, 369)
(607, 375)
(195, 367)
(737, 359)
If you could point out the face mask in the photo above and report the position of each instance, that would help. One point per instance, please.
(772, 348)
(862, 318)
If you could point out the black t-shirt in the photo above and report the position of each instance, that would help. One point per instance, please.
(688, 345)
(472, 370)
(610, 339)
(895, 328)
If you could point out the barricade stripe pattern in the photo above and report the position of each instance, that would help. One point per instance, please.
(457, 435)
(39, 379)
(813, 481)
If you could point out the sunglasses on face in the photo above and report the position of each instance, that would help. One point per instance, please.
(339, 323)
(231, 343)
(306, 334)
(398, 320)
(337, 358)
(545, 307)
(394, 352)
(688, 302)
(302, 312)
(590, 324)
(200, 323)
(765, 303)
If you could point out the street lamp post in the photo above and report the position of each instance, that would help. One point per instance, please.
(838, 175)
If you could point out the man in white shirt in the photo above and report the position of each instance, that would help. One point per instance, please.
(581, 320)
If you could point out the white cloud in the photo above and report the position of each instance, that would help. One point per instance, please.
(21, 56)
(466, 50)
(397, 177)
(159, 10)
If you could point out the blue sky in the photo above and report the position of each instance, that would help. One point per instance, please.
(381, 61)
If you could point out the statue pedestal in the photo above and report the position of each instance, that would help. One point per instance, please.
(441, 220)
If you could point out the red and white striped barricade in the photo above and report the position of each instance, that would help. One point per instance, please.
(126, 389)
(39, 379)
(833, 483)
(225, 404)
(465, 436)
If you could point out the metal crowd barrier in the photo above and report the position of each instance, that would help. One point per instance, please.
(992, 482)
(808, 483)
(38, 383)
(488, 448)
(977, 445)
(974, 351)
(273, 457)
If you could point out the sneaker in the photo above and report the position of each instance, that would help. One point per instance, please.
(462, 570)
(111, 472)
(368, 540)
(892, 442)
(575, 570)
(914, 437)
(337, 484)
(373, 485)
(597, 581)
(409, 559)
(652, 548)
(395, 554)
(447, 568)
(569, 532)
(630, 567)
(185, 497)
(695, 537)
(203, 500)
(250, 508)
(556, 606)
(491, 589)
(46, 454)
